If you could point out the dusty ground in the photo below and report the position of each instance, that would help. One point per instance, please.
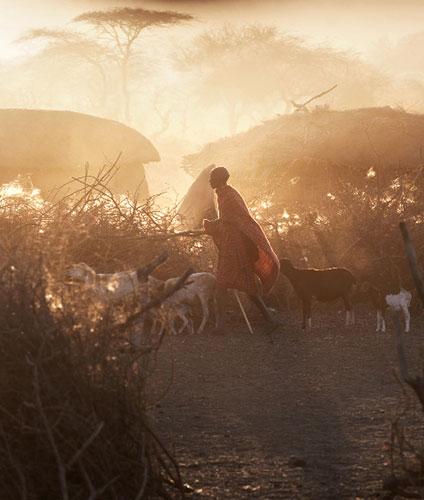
(293, 415)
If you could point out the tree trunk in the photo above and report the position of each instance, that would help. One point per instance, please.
(103, 96)
(124, 88)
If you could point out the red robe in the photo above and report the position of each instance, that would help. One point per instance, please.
(244, 250)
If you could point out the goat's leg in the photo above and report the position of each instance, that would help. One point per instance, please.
(171, 324)
(190, 326)
(205, 313)
(379, 317)
(184, 313)
(221, 301)
(350, 317)
(185, 323)
(383, 321)
(155, 322)
(407, 317)
(306, 314)
(161, 329)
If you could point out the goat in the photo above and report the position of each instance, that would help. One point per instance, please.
(200, 286)
(321, 284)
(384, 300)
(168, 313)
(112, 286)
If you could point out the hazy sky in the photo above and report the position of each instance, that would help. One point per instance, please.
(358, 24)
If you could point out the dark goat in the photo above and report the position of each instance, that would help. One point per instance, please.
(321, 284)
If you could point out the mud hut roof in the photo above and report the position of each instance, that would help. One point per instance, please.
(361, 138)
(68, 137)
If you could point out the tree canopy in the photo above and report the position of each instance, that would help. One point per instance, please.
(241, 68)
(121, 27)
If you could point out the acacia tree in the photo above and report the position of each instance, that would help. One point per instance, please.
(120, 29)
(234, 67)
(259, 67)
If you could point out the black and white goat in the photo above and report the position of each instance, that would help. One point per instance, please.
(324, 285)
(384, 301)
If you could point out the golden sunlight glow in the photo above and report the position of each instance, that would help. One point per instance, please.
(217, 75)
(10, 190)
(54, 301)
(19, 194)
(15, 189)
(371, 173)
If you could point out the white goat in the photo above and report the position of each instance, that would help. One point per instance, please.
(112, 286)
(383, 301)
(168, 313)
(199, 286)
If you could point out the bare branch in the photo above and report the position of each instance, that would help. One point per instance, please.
(303, 107)
(49, 431)
(85, 445)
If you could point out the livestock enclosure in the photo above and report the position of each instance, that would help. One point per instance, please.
(211, 250)
(89, 412)
(76, 391)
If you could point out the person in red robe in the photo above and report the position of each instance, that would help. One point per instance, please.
(244, 252)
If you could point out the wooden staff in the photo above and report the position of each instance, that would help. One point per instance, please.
(243, 312)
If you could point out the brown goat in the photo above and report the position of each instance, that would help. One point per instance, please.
(321, 284)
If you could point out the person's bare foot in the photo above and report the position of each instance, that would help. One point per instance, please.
(273, 319)
(272, 324)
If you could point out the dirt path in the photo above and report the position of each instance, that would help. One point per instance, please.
(296, 416)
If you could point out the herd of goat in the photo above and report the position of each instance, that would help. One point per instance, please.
(324, 285)
(116, 286)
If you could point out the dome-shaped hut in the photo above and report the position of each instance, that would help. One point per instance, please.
(305, 154)
(54, 146)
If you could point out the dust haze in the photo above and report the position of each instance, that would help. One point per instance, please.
(113, 114)
(224, 69)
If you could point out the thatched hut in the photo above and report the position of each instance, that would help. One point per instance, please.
(54, 146)
(306, 153)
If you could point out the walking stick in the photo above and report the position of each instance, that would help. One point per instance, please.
(243, 312)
